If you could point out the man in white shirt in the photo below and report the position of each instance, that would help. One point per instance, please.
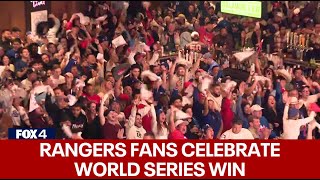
(27, 83)
(291, 121)
(56, 77)
(136, 131)
(237, 132)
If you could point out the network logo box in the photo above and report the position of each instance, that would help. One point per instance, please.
(47, 133)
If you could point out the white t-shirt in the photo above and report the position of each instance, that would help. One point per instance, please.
(163, 134)
(58, 81)
(26, 84)
(17, 115)
(136, 133)
(291, 128)
(243, 134)
(311, 99)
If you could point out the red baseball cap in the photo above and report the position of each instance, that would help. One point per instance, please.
(124, 97)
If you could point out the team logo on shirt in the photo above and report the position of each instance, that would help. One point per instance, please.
(139, 134)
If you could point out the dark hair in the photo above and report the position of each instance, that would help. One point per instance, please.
(57, 88)
(180, 65)
(174, 98)
(77, 104)
(45, 78)
(135, 92)
(138, 114)
(35, 62)
(5, 30)
(56, 66)
(21, 50)
(135, 66)
(237, 120)
(15, 29)
(214, 85)
(150, 134)
(51, 22)
(251, 118)
(49, 44)
(296, 69)
(16, 40)
(43, 54)
(159, 124)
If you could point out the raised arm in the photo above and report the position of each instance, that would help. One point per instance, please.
(164, 78)
(154, 118)
(206, 107)
(251, 88)
(131, 57)
(285, 112)
(308, 119)
(117, 87)
(278, 92)
(101, 110)
(239, 101)
(172, 115)
(132, 117)
(196, 66)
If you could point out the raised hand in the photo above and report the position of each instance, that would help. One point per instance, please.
(120, 133)
(285, 97)
(242, 88)
(265, 132)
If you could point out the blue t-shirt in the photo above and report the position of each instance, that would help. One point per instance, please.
(12, 54)
(69, 65)
(19, 65)
(214, 120)
(158, 92)
(264, 122)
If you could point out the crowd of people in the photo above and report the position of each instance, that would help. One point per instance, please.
(129, 70)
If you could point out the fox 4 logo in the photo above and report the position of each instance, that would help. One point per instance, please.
(31, 134)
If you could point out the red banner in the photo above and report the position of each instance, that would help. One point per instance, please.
(159, 159)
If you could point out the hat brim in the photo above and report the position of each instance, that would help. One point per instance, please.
(284, 75)
(294, 103)
(181, 122)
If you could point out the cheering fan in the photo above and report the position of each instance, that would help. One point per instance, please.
(43, 27)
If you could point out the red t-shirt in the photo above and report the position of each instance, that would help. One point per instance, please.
(205, 37)
(94, 98)
(176, 134)
(227, 114)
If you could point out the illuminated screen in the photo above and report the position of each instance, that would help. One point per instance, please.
(243, 8)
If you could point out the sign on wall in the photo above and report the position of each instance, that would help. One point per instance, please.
(36, 11)
(243, 8)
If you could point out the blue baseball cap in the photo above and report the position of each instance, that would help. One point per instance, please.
(293, 112)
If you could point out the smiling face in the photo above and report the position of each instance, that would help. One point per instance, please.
(305, 92)
(182, 128)
(181, 71)
(255, 123)
(92, 107)
(271, 101)
(162, 117)
(138, 121)
(112, 116)
(5, 60)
